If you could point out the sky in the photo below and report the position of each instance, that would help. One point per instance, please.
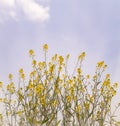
(67, 26)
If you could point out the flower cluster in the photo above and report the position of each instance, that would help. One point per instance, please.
(52, 97)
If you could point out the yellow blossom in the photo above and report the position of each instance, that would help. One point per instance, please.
(41, 65)
(106, 83)
(34, 62)
(67, 57)
(100, 64)
(94, 77)
(88, 76)
(115, 85)
(61, 60)
(55, 103)
(1, 84)
(98, 113)
(107, 76)
(19, 112)
(32, 74)
(91, 99)
(105, 66)
(102, 89)
(1, 99)
(23, 76)
(79, 71)
(51, 68)
(30, 86)
(81, 56)
(64, 85)
(4, 100)
(11, 88)
(31, 52)
(54, 57)
(112, 91)
(45, 47)
(10, 76)
(1, 117)
(78, 108)
(86, 105)
(21, 71)
(59, 69)
(39, 88)
(69, 99)
(43, 100)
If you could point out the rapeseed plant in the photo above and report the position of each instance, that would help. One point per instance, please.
(52, 97)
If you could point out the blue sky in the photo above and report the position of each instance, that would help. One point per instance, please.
(67, 26)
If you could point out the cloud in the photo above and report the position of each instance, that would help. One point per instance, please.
(9, 3)
(7, 10)
(34, 11)
(23, 9)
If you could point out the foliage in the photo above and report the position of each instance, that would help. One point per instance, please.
(52, 97)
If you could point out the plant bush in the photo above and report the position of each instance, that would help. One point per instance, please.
(52, 97)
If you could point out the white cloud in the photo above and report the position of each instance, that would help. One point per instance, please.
(9, 3)
(7, 10)
(34, 11)
(25, 9)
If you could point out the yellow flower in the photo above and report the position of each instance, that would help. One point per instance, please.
(106, 83)
(107, 76)
(69, 99)
(30, 86)
(98, 113)
(88, 76)
(100, 64)
(1, 99)
(31, 52)
(57, 91)
(61, 60)
(45, 47)
(10, 76)
(34, 62)
(19, 112)
(79, 71)
(11, 88)
(105, 66)
(113, 91)
(51, 68)
(33, 73)
(1, 117)
(4, 100)
(41, 65)
(67, 57)
(23, 76)
(21, 71)
(60, 69)
(64, 85)
(115, 85)
(94, 77)
(55, 103)
(39, 88)
(1, 84)
(43, 100)
(78, 108)
(54, 57)
(102, 90)
(72, 90)
(86, 105)
(82, 56)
